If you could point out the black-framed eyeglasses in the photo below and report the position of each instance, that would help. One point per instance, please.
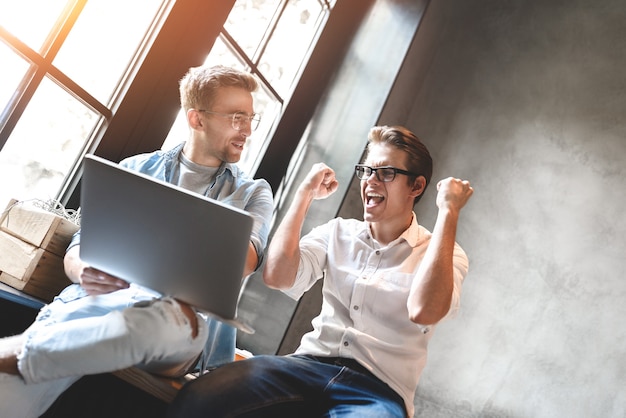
(238, 119)
(385, 174)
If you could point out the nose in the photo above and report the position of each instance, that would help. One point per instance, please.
(246, 129)
(372, 177)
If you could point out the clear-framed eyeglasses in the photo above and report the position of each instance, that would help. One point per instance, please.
(384, 174)
(239, 120)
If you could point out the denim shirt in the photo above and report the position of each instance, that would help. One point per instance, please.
(233, 187)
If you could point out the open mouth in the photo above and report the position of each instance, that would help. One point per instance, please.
(373, 199)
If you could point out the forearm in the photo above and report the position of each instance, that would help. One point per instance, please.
(73, 264)
(431, 291)
(94, 281)
(252, 260)
(283, 254)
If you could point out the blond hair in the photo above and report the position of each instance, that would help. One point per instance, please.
(198, 87)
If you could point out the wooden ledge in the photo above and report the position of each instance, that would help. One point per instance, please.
(164, 388)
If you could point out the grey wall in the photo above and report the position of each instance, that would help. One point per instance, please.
(527, 99)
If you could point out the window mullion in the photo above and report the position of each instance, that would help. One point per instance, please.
(42, 65)
(270, 31)
(79, 93)
(61, 29)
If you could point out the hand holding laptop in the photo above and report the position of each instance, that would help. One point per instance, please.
(94, 281)
(132, 227)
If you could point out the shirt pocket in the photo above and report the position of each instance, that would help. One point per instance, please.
(389, 294)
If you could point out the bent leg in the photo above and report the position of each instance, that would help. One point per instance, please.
(263, 386)
(10, 347)
(156, 333)
(354, 394)
(19, 400)
(276, 386)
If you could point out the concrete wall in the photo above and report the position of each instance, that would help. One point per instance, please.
(527, 99)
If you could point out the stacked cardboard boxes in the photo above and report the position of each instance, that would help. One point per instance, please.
(32, 246)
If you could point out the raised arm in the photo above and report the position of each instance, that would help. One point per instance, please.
(283, 253)
(431, 291)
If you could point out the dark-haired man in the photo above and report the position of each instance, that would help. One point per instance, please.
(387, 282)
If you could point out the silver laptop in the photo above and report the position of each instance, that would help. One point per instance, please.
(163, 237)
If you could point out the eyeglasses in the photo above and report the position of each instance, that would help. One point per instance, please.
(238, 119)
(384, 174)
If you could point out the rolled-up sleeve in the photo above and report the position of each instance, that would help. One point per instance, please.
(260, 206)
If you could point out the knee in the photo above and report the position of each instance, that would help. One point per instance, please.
(160, 330)
(211, 392)
(147, 319)
(191, 317)
(225, 379)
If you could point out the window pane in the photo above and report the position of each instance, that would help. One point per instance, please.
(44, 145)
(294, 34)
(30, 20)
(270, 110)
(221, 54)
(103, 41)
(248, 21)
(13, 70)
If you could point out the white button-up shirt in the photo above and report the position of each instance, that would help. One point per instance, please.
(364, 310)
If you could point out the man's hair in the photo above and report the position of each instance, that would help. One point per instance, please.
(198, 87)
(418, 158)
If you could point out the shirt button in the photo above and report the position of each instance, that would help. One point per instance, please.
(356, 307)
(345, 343)
(377, 252)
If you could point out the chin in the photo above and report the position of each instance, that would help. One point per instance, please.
(368, 216)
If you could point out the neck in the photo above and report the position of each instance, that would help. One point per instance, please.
(385, 232)
(194, 152)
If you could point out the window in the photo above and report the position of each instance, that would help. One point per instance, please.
(272, 39)
(61, 68)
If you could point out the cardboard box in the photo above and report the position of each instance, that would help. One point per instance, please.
(32, 246)
(37, 227)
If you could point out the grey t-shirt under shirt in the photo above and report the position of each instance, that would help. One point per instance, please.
(194, 177)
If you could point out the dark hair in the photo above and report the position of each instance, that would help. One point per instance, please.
(418, 160)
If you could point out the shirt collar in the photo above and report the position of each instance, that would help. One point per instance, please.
(233, 168)
(412, 235)
(173, 155)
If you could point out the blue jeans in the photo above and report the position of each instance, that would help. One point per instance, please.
(77, 335)
(278, 386)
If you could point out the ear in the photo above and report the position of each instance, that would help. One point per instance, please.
(419, 185)
(193, 119)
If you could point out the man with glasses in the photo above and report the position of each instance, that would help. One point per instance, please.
(239, 120)
(102, 323)
(387, 282)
